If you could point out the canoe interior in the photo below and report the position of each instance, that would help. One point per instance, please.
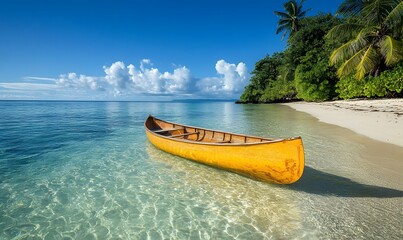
(182, 132)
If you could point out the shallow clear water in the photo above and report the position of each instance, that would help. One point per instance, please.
(84, 170)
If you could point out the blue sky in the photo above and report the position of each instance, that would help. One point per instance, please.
(135, 50)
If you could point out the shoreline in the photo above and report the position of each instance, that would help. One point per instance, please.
(381, 120)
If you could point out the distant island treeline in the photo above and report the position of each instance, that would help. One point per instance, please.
(357, 53)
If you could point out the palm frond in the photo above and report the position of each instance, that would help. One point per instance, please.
(343, 29)
(374, 12)
(377, 11)
(379, 40)
(290, 7)
(395, 17)
(289, 19)
(347, 50)
(294, 26)
(351, 7)
(367, 63)
(284, 21)
(283, 36)
(391, 50)
(370, 32)
(295, 8)
(350, 65)
(282, 14)
(282, 28)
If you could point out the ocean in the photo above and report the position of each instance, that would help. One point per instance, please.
(85, 170)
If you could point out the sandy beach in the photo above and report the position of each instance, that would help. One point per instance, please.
(378, 119)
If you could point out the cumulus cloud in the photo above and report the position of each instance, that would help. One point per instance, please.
(72, 80)
(147, 79)
(179, 81)
(232, 80)
(122, 79)
(117, 75)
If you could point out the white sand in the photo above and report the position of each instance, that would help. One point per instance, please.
(378, 119)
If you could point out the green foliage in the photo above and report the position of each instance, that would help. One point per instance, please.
(314, 77)
(375, 87)
(394, 79)
(276, 79)
(281, 90)
(309, 37)
(388, 84)
(265, 72)
(290, 19)
(250, 94)
(348, 87)
(315, 82)
(369, 39)
(376, 37)
(370, 87)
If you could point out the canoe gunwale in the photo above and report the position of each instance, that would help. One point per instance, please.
(266, 140)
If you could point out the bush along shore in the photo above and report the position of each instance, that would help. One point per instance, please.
(356, 54)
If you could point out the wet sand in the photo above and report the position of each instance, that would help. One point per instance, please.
(381, 120)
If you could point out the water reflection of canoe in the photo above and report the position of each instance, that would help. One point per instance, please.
(273, 160)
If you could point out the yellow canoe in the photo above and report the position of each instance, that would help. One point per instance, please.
(272, 160)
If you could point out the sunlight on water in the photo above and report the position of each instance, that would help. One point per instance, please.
(86, 171)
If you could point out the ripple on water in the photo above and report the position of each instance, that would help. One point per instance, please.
(114, 185)
(138, 196)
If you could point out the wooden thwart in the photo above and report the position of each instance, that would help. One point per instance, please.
(183, 134)
(167, 130)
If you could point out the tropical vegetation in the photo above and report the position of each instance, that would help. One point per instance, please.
(358, 53)
(290, 19)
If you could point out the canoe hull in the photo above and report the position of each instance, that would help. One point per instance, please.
(279, 161)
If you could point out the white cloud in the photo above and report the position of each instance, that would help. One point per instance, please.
(40, 78)
(121, 79)
(146, 79)
(145, 62)
(128, 80)
(72, 80)
(232, 80)
(117, 75)
(179, 81)
(29, 86)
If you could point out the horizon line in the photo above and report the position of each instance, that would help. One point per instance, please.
(61, 100)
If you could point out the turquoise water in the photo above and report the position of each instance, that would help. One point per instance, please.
(84, 170)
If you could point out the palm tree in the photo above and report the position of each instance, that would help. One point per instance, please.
(375, 29)
(290, 19)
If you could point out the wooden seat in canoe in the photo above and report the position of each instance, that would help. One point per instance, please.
(167, 130)
(183, 134)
